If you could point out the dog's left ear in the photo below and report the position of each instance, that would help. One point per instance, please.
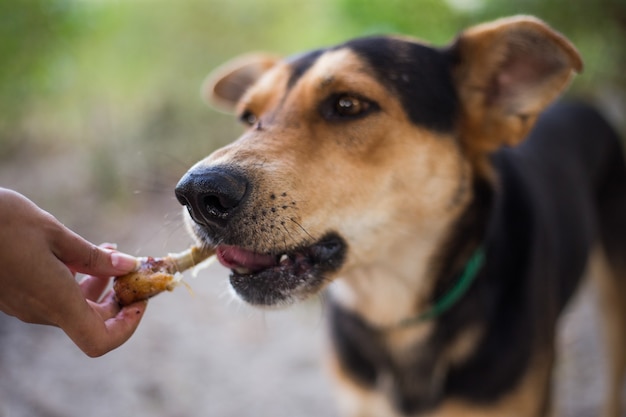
(227, 84)
(506, 73)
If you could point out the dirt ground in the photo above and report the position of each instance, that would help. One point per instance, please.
(204, 354)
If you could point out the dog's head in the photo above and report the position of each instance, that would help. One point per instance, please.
(375, 140)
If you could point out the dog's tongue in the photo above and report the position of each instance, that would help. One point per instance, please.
(237, 258)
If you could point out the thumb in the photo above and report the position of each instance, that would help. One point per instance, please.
(83, 256)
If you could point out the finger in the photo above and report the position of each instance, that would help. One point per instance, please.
(121, 327)
(83, 256)
(96, 336)
(108, 307)
(93, 287)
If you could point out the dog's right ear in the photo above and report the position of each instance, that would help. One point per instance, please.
(225, 86)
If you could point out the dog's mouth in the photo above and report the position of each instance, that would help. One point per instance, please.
(285, 276)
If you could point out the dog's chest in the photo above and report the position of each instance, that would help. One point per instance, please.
(409, 371)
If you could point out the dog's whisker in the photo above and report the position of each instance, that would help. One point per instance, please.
(301, 228)
(288, 233)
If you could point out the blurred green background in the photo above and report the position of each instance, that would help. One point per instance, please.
(113, 86)
(100, 115)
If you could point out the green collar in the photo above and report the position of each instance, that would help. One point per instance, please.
(442, 305)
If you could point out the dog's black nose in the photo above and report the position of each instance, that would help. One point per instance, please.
(212, 195)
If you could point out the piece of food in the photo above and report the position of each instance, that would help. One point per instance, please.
(156, 275)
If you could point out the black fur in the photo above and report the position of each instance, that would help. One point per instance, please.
(300, 64)
(418, 75)
(554, 193)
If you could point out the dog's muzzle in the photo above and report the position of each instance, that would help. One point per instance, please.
(265, 270)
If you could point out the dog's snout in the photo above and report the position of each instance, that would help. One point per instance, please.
(212, 195)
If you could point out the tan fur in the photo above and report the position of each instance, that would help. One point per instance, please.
(301, 165)
(354, 400)
(357, 157)
(611, 293)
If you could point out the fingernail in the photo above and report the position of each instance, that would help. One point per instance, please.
(124, 262)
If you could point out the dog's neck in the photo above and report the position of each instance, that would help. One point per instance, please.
(408, 279)
(385, 293)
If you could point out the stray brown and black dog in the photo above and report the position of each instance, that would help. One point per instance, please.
(453, 218)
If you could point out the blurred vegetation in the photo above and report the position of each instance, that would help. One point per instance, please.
(119, 80)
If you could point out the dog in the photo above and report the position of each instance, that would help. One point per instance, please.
(440, 200)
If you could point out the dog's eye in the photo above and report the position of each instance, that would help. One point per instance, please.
(346, 106)
(350, 106)
(248, 118)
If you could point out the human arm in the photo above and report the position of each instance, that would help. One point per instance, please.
(40, 257)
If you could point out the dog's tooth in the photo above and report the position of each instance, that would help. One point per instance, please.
(284, 259)
(242, 271)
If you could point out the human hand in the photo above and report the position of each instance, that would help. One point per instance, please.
(40, 257)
